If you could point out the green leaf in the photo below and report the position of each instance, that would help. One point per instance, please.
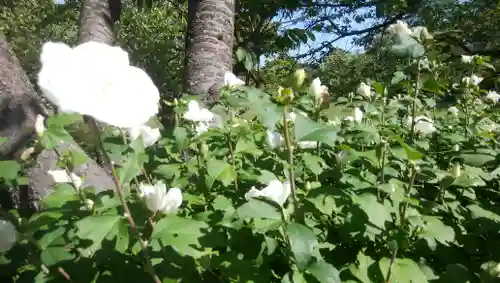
(256, 208)
(181, 138)
(55, 254)
(9, 169)
(96, 228)
(219, 170)
(306, 129)
(62, 194)
(324, 272)
(54, 248)
(478, 158)
(403, 270)
(360, 271)
(247, 146)
(52, 135)
(63, 119)
(377, 213)
(314, 163)
(130, 169)
(168, 170)
(411, 153)
(435, 230)
(302, 243)
(181, 234)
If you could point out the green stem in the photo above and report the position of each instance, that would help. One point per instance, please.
(402, 215)
(233, 161)
(289, 147)
(126, 210)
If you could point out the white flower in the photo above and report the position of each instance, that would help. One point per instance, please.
(39, 124)
(96, 79)
(453, 110)
(421, 32)
(158, 199)
(398, 27)
(423, 124)
(203, 126)
(275, 190)
(149, 135)
(274, 139)
(308, 144)
(318, 90)
(357, 116)
(364, 90)
(493, 96)
(61, 176)
(196, 113)
(8, 235)
(231, 80)
(472, 80)
(467, 59)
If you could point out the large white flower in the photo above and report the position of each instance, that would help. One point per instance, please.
(398, 27)
(8, 235)
(196, 113)
(364, 90)
(274, 139)
(231, 80)
(62, 176)
(158, 199)
(493, 96)
(423, 124)
(275, 190)
(96, 79)
(148, 134)
(319, 91)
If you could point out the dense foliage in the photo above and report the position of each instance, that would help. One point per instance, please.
(369, 194)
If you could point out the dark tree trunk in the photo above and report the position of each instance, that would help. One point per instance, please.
(19, 106)
(97, 19)
(209, 46)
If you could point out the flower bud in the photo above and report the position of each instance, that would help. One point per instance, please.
(455, 170)
(285, 95)
(456, 147)
(39, 125)
(8, 235)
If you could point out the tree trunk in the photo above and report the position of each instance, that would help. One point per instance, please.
(19, 106)
(97, 19)
(209, 46)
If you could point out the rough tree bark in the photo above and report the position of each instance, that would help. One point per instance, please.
(209, 46)
(97, 19)
(19, 105)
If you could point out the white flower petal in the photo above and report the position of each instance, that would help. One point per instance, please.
(171, 201)
(231, 80)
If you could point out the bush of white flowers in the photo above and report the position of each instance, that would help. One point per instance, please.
(292, 186)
